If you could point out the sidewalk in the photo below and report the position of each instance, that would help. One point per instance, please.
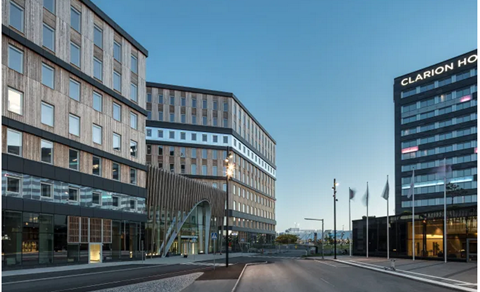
(174, 260)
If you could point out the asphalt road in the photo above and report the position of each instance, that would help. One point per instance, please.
(326, 276)
(110, 277)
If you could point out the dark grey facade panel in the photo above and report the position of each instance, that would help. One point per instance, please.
(32, 46)
(9, 162)
(67, 142)
(237, 214)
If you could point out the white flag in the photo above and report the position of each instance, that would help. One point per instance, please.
(365, 198)
(386, 191)
(444, 171)
(410, 191)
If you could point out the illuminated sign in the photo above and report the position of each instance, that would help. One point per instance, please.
(465, 98)
(410, 149)
(439, 70)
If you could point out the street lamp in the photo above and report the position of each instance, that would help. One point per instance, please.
(314, 219)
(229, 171)
(334, 188)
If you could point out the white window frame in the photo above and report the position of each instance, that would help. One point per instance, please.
(53, 113)
(136, 176)
(79, 19)
(79, 54)
(79, 89)
(118, 201)
(115, 73)
(131, 67)
(21, 144)
(119, 111)
(20, 185)
(23, 17)
(78, 194)
(18, 51)
(51, 157)
(133, 153)
(51, 190)
(53, 38)
(72, 116)
(120, 46)
(95, 126)
(53, 75)
(134, 204)
(94, 95)
(133, 88)
(133, 115)
(99, 165)
(97, 28)
(10, 89)
(78, 159)
(95, 60)
(119, 171)
(54, 4)
(99, 199)
(119, 141)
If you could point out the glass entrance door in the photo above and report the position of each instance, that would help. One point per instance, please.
(471, 249)
(95, 253)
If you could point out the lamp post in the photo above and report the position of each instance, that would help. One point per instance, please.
(314, 219)
(334, 218)
(229, 171)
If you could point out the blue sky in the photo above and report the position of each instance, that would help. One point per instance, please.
(317, 74)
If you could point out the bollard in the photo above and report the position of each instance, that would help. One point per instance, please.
(392, 265)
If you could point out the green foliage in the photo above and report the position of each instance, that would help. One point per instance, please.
(286, 239)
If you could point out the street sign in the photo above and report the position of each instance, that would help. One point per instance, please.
(214, 235)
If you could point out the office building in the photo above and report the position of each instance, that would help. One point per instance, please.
(73, 123)
(189, 131)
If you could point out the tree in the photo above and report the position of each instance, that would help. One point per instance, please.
(454, 190)
(286, 239)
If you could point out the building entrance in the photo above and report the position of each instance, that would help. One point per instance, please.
(94, 253)
(471, 249)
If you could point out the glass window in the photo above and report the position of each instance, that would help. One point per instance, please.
(46, 190)
(134, 64)
(133, 176)
(160, 99)
(117, 112)
(204, 137)
(48, 112)
(96, 198)
(14, 142)
(97, 69)
(98, 36)
(15, 59)
(225, 139)
(215, 105)
(74, 125)
(117, 141)
(96, 166)
(133, 204)
(204, 104)
(225, 106)
(117, 51)
(204, 121)
(15, 101)
(194, 152)
(172, 167)
(97, 134)
(204, 153)
(48, 75)
(184, 101)
(194, 119)
(172, 150)
(214, 154)
(182, 118)
(16, 16)
(149, 132)
(194, 137)
(183, 135)
(73, 159)
(149, 97)
(115, 201)
(149, 115)
(160, 133)
(115, 171)
(133, 120)
(133, 92)
(75, 54)
(13, 185)
(215, 138)
(214, 170)
(160, 115)
(215, 121)
(194, 102)
(133, 148)
(73, 194)
(117, 81)
(194, 169)
(75, 19)
(46, 151)
(172, 100)
(48, 37)
(74, 90)
(171, 135)
(97, 101)
(204, 170)
(225, 123)
(160, 150)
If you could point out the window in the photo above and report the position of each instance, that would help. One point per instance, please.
(48, 75)
(171, 135)
(184, 101)
(194, 137)
(225, 106)
(117, 112)
(215, 185)
(182, 168)
(215, 139)
(117, 51)
(149, 97)
(117, 81)
(115, 201)
(14, 142)
(96, 198)
(75, 54)
(225, 123)
(183, 135)
(96, 166)
(215, 121)
(48, 37)
(160, 99)
(75, 19)
(46, 151)
(15, 101)
(74, 90)
(134, 65)
(73, 159)
(215, 154)
(194, 152)
(133, 204)
(204, 104)
(46, 190)
(194, 169)
(133, 92)
(160, 115)
(133, 148)
(16, 16)
(48, 112)
(172, 100)
(149, 132)
(194, 102)
(172, 167)
(72, 194)
(182, 151)
(204, 170)
(133, 176)
(160, 150)
(160, 133)
(97, 134)
(204, 121)
(15, 59)
(74, 125)
(214, 170)
(97, 69)
(13, 185)
(204, 137)
(225, 139)
(133, 120)
(204, 153)
(215, 105)
(117, 141)
(183, 118)
(97, 101)
(115, 171)
(172, 150)
(194, 119)
(98, 36)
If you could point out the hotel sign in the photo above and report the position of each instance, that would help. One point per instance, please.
(439, 70)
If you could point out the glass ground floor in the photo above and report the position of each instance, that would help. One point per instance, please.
(36, 239)
(429, 237)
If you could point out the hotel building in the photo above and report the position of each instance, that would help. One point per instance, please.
(189, 131)
(73, 125)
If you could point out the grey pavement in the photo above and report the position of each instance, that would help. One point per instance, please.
(212, 285)
(328, 276)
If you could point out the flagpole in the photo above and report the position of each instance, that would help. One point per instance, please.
(388, 228)
(413, 215)
(367, 219)
(350, 222)
(445, 210)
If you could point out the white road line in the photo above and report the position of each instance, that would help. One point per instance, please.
(324, 263)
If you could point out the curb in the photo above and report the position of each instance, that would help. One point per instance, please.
(446, 285)
(243, 270)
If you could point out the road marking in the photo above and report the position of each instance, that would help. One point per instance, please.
(326, 282)
(77, 275)
(324, 263)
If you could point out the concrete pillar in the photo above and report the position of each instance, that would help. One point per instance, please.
(200, 228)
(208, 216)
